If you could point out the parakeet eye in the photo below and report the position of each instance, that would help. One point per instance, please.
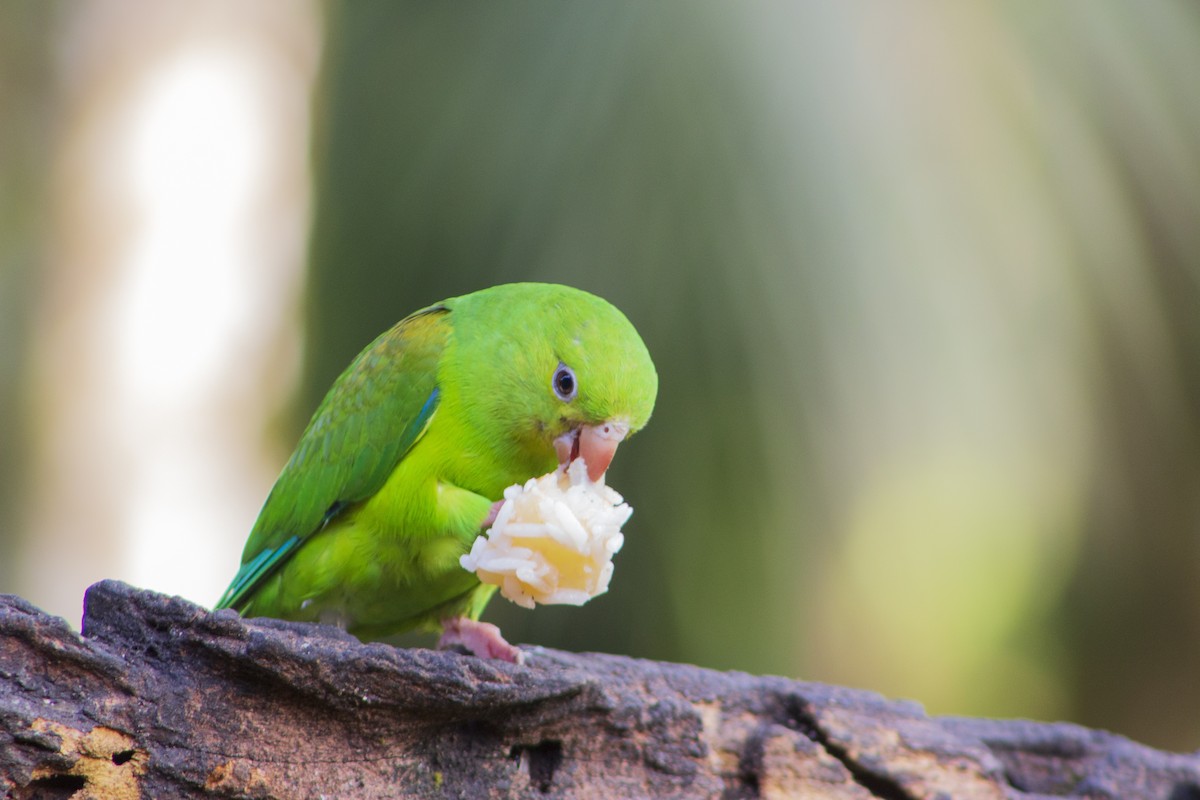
(564, 383)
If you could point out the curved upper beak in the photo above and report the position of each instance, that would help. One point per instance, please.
(595, 444)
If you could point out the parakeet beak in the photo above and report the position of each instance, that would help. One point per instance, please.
(595, 444)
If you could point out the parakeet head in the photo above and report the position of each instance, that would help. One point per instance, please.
(551, 370)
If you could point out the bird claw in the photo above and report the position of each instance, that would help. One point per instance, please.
(481, 639)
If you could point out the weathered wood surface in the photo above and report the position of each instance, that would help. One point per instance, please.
(160, 698)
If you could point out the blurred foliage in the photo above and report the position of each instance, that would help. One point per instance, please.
(25, 82)
(919, 282)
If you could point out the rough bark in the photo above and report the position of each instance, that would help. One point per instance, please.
(159, 698)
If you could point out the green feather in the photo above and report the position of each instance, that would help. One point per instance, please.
(393, 476)
(269, 559)
(349, 448)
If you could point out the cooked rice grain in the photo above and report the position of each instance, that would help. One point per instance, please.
(553, 540)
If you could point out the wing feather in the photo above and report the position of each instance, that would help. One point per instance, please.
(372, 416)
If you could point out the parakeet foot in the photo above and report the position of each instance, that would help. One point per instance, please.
(479, 638)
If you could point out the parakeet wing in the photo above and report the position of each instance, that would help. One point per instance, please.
(374, 413)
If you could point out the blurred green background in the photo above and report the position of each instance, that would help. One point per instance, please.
(922, 282)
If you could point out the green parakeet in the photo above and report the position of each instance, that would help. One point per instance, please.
(406, 458)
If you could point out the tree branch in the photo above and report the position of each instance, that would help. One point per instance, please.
(160, 698)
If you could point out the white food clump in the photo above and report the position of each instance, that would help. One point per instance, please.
(553, 539)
